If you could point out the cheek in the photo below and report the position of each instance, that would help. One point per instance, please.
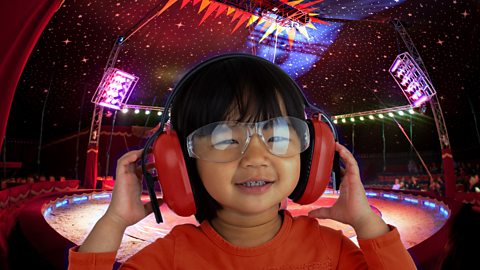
(290, 170)
(212, 174)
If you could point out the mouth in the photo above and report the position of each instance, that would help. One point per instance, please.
(254, 182)
(255, 186)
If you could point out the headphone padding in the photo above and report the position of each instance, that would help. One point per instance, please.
(172, 174)
(306, 163)
(321, 163)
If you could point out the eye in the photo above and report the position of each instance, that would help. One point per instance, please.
(226, 142)
(274, 139)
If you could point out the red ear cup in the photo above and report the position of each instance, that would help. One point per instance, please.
(321, 162)
(172, 174)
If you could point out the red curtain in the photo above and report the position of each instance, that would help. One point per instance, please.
(22, 24)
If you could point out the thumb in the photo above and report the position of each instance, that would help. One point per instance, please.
(322, 213)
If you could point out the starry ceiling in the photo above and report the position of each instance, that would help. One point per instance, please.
(341, 65)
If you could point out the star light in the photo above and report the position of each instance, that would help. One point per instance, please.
(440, 41)
(66, 41)
(180, 24)
(84, 60)
(465, 14)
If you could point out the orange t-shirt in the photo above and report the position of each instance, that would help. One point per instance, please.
(301, 243)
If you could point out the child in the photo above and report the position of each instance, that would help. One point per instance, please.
(239, 177)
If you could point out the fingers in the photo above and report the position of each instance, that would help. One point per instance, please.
(130, 157)
(348, 159)
(126, 163)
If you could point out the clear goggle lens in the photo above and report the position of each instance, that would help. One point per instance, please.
(227, 141)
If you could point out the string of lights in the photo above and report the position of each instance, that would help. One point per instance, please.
(374, 114)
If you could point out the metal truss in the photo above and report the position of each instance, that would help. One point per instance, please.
(374, 112)
(434, 103)
(96, 124)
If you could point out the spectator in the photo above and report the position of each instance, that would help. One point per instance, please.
(436, 185)
(473, 184)
(30, 179)
(397, 184)
(51, 178)
(403, 183)
(413, 185)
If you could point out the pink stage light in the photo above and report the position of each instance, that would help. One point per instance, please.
(420, 101)
(114, 89)
(410, 78)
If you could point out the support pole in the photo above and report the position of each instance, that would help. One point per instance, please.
(91, 166)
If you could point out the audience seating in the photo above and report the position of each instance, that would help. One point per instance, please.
(12, 201)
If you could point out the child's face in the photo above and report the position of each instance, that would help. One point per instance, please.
(234, 184)
(228, 182)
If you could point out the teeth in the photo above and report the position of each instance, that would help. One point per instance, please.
(254, 183)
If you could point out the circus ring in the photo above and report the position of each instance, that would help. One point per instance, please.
(53, 223)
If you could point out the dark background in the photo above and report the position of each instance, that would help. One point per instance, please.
(342, 67)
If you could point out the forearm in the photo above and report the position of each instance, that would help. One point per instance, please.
(106, 236)
(383, 252)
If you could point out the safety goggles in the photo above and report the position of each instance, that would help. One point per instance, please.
(227, 141)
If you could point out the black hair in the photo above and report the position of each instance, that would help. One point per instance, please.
(247, 86)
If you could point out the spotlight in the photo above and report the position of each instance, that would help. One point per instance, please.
(371, 117)
(159, 113)
(401, 113)
(335, 121)
(124, 110)
(147, 112)
(137, 111)
(380, 116)
(344, 120)
(109, 94)
(352, 119)
(362, 118)
(411, 111)
(390, 114)
(412, 81)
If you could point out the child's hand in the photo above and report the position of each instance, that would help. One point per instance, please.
(126, 207)
(352, 206)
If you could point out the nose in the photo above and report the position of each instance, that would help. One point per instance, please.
(256, 153)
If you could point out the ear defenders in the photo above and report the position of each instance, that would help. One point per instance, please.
(316, 162)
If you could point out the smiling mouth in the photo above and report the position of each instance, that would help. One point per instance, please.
(257, 183)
